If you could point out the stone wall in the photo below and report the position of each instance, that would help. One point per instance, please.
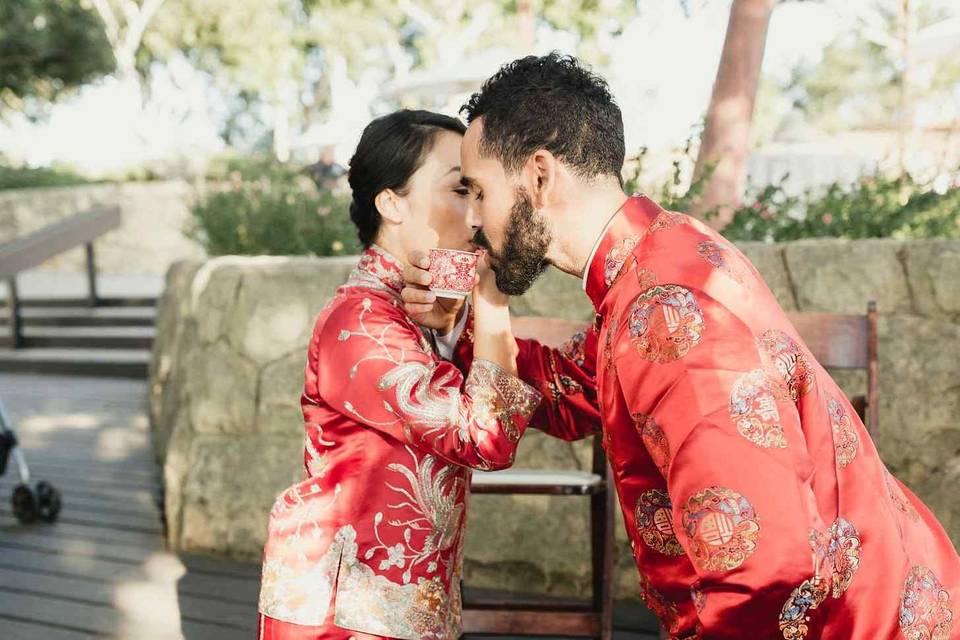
(228, 370)
(154, 216)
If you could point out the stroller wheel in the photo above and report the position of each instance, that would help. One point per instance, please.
(24, 504)
(48, 501)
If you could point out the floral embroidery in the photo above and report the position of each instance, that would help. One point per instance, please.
(646, 278)
(373, 604)
(316, 463)
(665, 610)
(844, 553)
(836, 550)
(899, 499)
(753, 408)
(699, 599)
(500, 398)
(574, 348)
(668, 220)
(785, 359)
(616, 256)
(666, 323)
(294, 588)
(925, 609)
(606, 356)
(723, 528)
(793, 617)
(377, 269)
(654, 439)
(435, 496)
(654, 517)
(716, 254)
(845, 439)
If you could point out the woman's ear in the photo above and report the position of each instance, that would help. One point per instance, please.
(391, 206)
(542, 169)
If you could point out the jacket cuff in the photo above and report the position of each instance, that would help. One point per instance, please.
(499, 397)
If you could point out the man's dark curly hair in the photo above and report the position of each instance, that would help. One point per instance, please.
(550, 102)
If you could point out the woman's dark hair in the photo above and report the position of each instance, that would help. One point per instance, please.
(390, 151)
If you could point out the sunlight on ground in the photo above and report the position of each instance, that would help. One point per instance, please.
(149, 605)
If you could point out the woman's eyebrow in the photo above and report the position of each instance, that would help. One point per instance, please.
(454, 169)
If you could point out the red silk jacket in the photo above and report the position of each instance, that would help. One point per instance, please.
(756, 503)
(371, 541)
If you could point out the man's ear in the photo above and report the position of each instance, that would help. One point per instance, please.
(543, 170)
(391, 206)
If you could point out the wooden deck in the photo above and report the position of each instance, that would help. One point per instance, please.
(101, 571)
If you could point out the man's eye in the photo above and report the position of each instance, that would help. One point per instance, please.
(479, 195)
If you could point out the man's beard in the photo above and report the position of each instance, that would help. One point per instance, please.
(525, 244)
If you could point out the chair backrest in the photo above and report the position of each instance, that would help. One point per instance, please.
(845, 341)
(836, 340)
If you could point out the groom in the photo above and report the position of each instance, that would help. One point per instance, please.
(756, 504)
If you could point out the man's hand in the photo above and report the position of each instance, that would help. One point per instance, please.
(422, 304)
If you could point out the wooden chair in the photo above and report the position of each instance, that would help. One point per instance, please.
(543, 616)
(845, 341)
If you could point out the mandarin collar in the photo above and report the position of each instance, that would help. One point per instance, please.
(616, 243)
(378, 267)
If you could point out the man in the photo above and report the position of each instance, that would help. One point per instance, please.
(755, 501)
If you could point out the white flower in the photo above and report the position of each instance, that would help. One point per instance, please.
(395, 557)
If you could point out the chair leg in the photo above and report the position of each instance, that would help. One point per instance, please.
(602, 551)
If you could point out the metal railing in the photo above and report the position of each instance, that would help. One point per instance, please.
(35, 248)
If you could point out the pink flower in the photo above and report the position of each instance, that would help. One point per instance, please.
(766, 214)
(827, 218)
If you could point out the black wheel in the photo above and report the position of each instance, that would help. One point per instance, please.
(48, 501)
(24, 504)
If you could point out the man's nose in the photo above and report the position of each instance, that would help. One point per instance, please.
(473, 217)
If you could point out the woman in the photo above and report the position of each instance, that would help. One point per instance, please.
(370, 543)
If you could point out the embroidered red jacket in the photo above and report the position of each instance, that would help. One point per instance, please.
(372, 539)
(756, 503)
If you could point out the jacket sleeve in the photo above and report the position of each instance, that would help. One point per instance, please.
(729, 443)
(565, 377)
(374, 365)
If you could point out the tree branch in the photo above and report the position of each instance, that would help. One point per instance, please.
(419, 14)
(138, 25)
(111, 28)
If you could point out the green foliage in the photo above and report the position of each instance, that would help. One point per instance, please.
(874, 207)
(23, 177)
(47, 46)
(877, 206)
(269, 208)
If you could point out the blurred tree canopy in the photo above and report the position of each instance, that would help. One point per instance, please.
(48, 46)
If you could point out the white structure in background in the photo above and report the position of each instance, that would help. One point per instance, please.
(105, 129)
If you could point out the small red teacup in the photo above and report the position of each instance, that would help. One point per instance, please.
(453, 272)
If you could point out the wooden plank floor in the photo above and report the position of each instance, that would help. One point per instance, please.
(101, 571)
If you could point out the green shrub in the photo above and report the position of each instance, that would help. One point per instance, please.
(25, 177)
(264, 207)
(877, 206)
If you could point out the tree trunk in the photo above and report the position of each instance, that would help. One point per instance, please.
(906, 27)
(726, 138)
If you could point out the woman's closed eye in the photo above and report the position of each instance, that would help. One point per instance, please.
(463, 192)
